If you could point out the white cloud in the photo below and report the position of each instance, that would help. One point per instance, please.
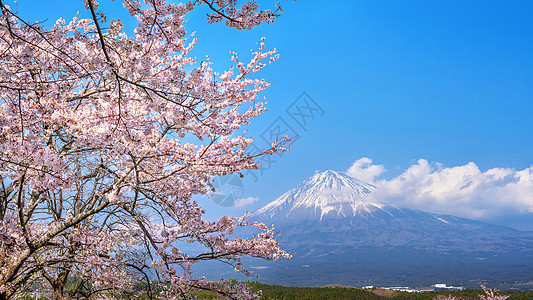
(363, 169)
(245, 201)
(461, 190)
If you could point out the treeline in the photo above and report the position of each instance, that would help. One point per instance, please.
(344, 293)
(277, 292)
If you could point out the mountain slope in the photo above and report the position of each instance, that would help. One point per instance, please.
(327, 193)
(336, 204)
(329, 221)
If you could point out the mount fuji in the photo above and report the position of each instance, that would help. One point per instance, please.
(338, 234)
(323, 195)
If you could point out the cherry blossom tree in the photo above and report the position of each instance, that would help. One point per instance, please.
(105, 133)
(88, 255)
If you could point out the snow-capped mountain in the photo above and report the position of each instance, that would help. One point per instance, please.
(327, 193)
(329, 220)
(334, 203)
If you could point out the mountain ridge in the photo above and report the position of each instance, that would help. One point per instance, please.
(334, 229)
(334, 194)
(326, 192)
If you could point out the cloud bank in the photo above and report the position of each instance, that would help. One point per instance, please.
(463, 191)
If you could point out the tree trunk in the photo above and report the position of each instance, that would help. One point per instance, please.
(58, 292)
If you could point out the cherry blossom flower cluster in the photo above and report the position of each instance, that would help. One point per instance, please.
(88, 254)
(104, 139)
(489, 294)
(246, 16)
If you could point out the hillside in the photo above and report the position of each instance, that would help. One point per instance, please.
(338, 235)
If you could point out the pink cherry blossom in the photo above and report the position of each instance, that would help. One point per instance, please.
(106, 137)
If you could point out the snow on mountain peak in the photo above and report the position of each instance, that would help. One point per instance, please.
(323, 193)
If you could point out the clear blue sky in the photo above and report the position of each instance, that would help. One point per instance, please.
(446, 81)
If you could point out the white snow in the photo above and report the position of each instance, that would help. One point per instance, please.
(324, 193)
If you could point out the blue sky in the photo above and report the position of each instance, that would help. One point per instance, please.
(401, 81)
(398, 81)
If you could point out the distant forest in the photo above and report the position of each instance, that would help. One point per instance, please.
(271, 292)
